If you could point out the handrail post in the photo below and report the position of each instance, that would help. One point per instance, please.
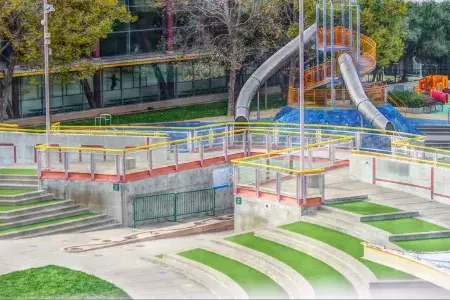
(39, 163)
(267, 142)
(299, 189)
(257, 183)
(332, 154)
(249, 138)
(124, 165)
(322, 187)
(150, 161)
(92, 166)
(118, 166)
(201, 153)
(358, 140)
(235, 178)
(310, 157)
(211, 139)
(66, 165)
(175, 157)
(225, 147)
(189, 144)
(278, 186)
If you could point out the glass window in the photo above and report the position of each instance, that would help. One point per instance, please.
(145, 41)
(115, 44)
(148, 16)
(73, 89)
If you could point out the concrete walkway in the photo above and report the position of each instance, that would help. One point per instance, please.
(121, 266)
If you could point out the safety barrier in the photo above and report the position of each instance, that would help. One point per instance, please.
(173, 205)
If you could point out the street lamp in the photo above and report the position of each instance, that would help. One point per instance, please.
(301, 98)
(48, 8)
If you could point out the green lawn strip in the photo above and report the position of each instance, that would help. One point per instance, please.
(426, 245)
(4, 208)
(7, 192)
(405, 225)
(346, 243)
(323, 278)
(255, 283)
(13, 171)
(46, 223)
(53, 282)
(189, 112)
(364, 208)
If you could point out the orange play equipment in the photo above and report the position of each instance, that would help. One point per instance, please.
(432, 82)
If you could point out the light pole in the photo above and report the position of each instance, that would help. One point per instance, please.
(47, 9)
(301, 94)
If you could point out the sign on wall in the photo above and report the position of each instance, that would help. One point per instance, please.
(238, 200)
(116, 187)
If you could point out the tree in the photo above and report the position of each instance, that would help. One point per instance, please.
(383, 21)
(229, 33)
(75, 28)
(428, 32)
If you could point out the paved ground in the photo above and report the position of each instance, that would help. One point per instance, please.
(120, 265)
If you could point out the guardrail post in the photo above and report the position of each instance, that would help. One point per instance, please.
(124, 165)
(150, 161)
(244, 143)
(322, 187)
(257, 183)
(189, 144)
(175, 157)
(358, 141)
(232, 134)
(66, 165)
(318, 135)
(249, 138)
(310, 157)
(278, 186)
(92, 166)
(331, 154)
(211, 139)
(225, 147)
(118, 166)
(200, 150)
(435, 158)
(289, 142)
(39, 163)
(298, 194)
(15, 154)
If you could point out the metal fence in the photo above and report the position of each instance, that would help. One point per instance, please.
(173, 205)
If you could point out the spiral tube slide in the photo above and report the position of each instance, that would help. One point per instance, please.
(266, 70)
(359, 97)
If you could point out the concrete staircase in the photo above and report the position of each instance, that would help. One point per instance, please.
(437, 136)
(39, 214)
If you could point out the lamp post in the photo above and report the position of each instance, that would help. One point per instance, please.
(47, 9)
(301, 94)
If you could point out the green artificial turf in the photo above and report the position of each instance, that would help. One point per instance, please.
(426, 245)
(13, 171)
(255, 283)
(4, 208)
(188, 112)
(45, 223)
(405, 225)
(346, 243)
(323, 278)
(8, 192)
(53, 282)
(364, 208)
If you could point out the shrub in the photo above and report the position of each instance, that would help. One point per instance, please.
(411, 99)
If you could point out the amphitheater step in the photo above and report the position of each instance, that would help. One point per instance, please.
(355, 272)
(51, 215)
(63, 227)
(17, 177)
(292, 282)
(18, 186)
(219, 284)
(39, 211)
(111, 224)
(26, 198)
(22, 181)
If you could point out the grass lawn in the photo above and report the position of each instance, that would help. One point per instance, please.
(364, 208)
(255, 283)
(4, 208)
(317, 273)
(8, 192)
(346, 243)
(45, 223)
(53, 282)
(182, 113)
(427, 245)
(405, 225)
(12, 171)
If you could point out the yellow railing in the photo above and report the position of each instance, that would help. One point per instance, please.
(401, 106)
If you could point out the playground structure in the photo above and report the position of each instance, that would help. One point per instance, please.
(432, 82)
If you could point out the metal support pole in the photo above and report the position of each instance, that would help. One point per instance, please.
(310, 158)
(317, 41)
(175, 157)
(92, 166)
(333, 91)
(124, 165)
(299, 189)
(268, 144)
(342, 23)
(200, 150)
(118, 167)
(249, 145)
(39, 163)
(322, 187)
(265, 95)
(225, 147)
(66, 165)
(235, 179)
(257, 183)
(150, 161)
(302, 83)
(258, 113)
(358, 39)
(350, 23)
(324, 29)
(46, 9)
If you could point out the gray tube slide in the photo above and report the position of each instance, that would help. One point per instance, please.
(359, 97)
(266, 70)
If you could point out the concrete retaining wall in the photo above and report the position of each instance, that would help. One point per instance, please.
(26, 143)
(422, 180)
(101, 197)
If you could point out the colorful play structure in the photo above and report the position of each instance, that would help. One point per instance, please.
(436, 86)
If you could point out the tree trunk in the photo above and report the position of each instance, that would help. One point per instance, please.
(5, 87)
(283, 88)
(88, 92)
(231, 92)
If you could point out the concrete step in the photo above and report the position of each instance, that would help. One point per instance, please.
(18, 177)
(295, 285)
(26, 198)
(328, 210)
(19, 181)
(72, 211)
(355, 272)
(18, 212)
(29, 214)
(70, 226)
(18, 186)
(113, 225)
